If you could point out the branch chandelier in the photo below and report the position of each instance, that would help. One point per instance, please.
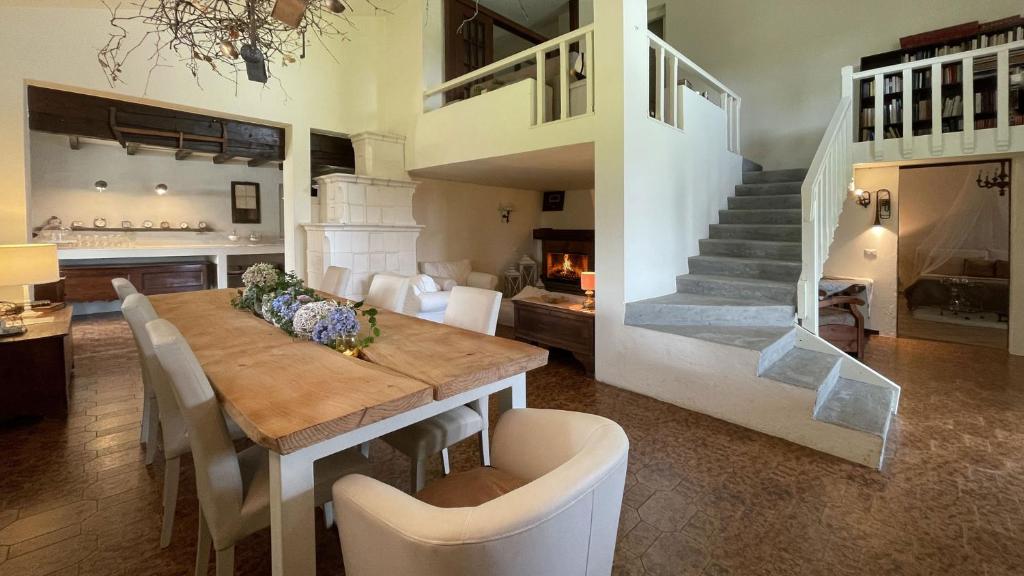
(223, 35)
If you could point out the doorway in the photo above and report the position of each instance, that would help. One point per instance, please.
(954, 252)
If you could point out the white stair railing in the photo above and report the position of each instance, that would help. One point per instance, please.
(671, 69)
(581, 39)
(822, 195)
(935, 98)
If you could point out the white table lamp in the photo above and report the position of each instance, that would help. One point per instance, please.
(21, 265)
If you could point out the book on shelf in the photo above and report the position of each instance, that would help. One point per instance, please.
(953, 106)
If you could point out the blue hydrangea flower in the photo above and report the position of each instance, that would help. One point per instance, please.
(338, 322)
(285, 306)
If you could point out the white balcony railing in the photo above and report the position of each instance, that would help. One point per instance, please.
(926, 108)
(575, 95)
(671, 70)
(822, 196)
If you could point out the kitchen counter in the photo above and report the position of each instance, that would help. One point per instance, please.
(217, 250)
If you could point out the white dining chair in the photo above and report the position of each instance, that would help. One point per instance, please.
(549, 506)
(123, 287)
(388, 291)
(169, 425)
(148, 433)
(472, 309)
(336, 280)
(233, 487)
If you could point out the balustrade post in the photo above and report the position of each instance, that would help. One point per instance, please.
(563, 79)
(908, 112)
(659, 82)
(879, 114)
(968, 96)
(1003, 100)
(590, 68)
(541, 114)
(938, 105)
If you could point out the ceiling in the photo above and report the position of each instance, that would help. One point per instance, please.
(529, 13)
(564, 168)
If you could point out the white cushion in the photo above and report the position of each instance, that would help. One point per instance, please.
(423, 284)
(434, 301)
(457, 270)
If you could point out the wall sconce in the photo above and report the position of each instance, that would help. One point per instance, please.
(506, 212)
(101, 185)
(161, 189)
(883, 206)
(863, 197)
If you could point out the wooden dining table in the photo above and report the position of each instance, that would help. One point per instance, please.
(303, 401)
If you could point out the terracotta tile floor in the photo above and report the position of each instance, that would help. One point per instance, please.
(703, 496)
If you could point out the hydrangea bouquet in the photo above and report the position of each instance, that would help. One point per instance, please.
(284, 300)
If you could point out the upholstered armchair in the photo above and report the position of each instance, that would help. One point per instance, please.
(430, 291)
(562, 521)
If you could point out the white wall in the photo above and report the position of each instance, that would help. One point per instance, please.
(657, 190)
(62, 186)
(856, 234)
(783, 57)
(55, 46)
(462, 221)
(578, 213)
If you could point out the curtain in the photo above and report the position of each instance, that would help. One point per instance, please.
(976, 224)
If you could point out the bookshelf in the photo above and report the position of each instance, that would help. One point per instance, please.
(947, 41)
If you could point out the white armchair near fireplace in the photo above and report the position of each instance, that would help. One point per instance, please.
(430, 290)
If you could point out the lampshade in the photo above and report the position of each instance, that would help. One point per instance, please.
(587, 281)
(22, 264)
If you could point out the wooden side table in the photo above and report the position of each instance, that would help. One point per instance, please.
(559, 325)
(35, 367)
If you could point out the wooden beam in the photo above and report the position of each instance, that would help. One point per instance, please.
(68, 113)
(132, 148)
(258, 162)
(182, 153)
(74, 142)
(508, 24)
(222, 158)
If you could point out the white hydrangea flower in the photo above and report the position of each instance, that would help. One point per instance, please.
(309, 314)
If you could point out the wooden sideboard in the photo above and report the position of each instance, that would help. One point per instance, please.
(35, 367)
(91, 282)
(558, 325)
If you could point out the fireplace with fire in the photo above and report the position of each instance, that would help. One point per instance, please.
(565, 253)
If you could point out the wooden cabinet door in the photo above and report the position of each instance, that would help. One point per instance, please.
(468, 49)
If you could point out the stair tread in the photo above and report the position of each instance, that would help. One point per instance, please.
(859, 406)
(761, 225)
(804, 368)
(686, 299)
(746, 260)
(747, 281)
(763, 210)
(757, 338)
(738, 241)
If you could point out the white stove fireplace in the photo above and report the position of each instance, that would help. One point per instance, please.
(365, 220)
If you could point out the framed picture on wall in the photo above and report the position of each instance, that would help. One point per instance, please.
(245, 202)
(554, 201)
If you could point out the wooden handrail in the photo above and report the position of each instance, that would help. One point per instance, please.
(947, 59)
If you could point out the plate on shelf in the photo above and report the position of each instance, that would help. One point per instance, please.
(202, 225)
(100, 223)
(165, 225)
(183, 225)
(147, 223)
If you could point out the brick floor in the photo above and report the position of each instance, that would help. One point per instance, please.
(702, 496)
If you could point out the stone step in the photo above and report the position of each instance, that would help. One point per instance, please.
(786, 201)
(751, 249)
(769, 189)
(774, 232)
(751, 166)
(778, 270)
(807, 369)
(765, 176)
(858, 406)
(772, 342)
(733, 216)
(751, 289)
(703, 310)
